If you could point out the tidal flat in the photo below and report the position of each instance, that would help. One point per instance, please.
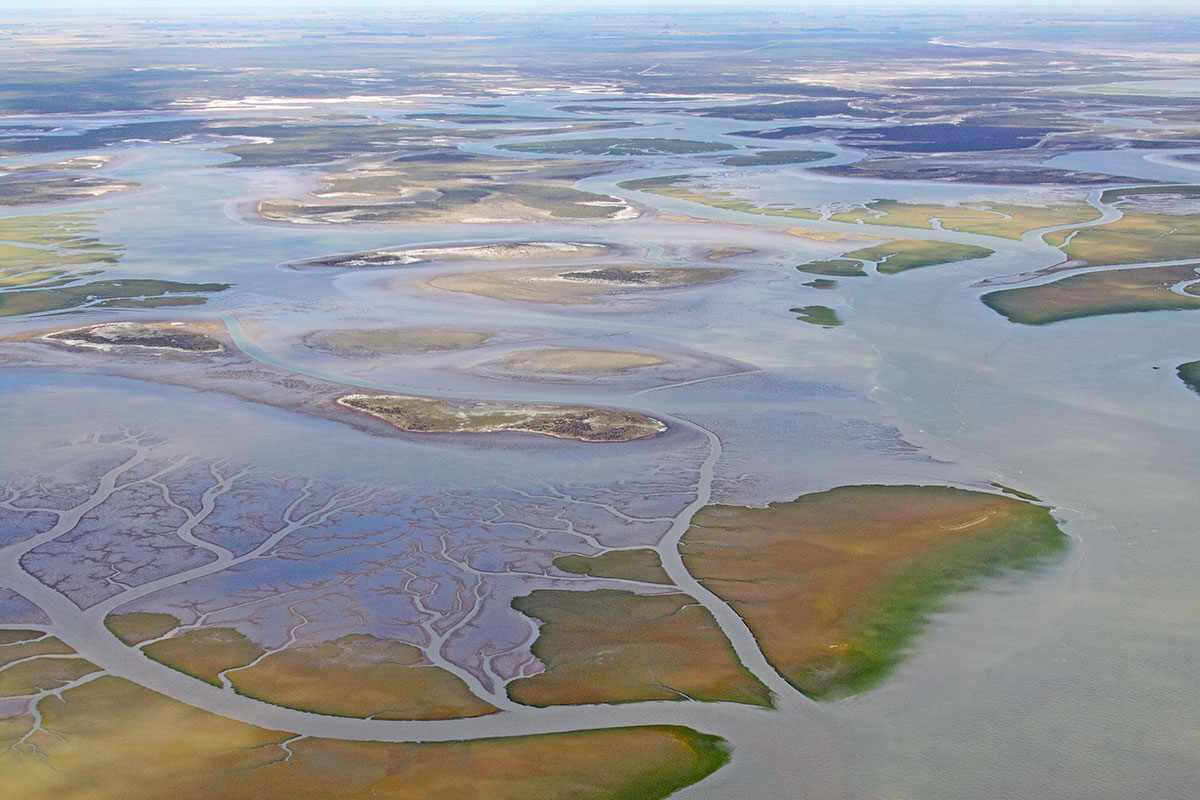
(201, 548)
(576, 285)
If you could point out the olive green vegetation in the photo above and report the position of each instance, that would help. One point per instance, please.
(83, 752)
(821, 283)
(1116, 291)
(841, 267)
(609, 646)
(204, 653)
(1133, 239)
(904, 606)
(361, 676)
(1006, 220)
(617, 147)
(817, 315)
(1016, 492)
(49, 249)
(1189, 373)
(14, 636)
(639, 564)
(121, 293)
(669, 186)
(906, 254)
(44, 258)
(139, 626)
(776, 157)
(835, 585)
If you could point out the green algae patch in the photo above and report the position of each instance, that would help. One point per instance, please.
(639, 564)
(824, 316)
(359, 676)
(1092, 294)
(608, 646)
(199, 755)
(836, 585)
(1189, 373)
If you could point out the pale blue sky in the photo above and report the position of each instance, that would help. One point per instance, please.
(1128, 7)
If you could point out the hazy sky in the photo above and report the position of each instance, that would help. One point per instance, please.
(1127, 7)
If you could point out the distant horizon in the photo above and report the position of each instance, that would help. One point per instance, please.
(953, 7)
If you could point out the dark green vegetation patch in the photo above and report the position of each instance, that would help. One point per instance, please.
(1189, 373)
(776, 157)
(824, 316)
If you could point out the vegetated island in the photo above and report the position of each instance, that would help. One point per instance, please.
(357, 675)
(1189, 373)
(824, 316)
(1158, 223)
(497, 251)
(429, 415)
(200, 755)
(897, 256)
(771, 158)
(366, 342)
(610, 646)
(1114, 291)
(138, 335)
(835, 585)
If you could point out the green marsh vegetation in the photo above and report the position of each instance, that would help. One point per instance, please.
(836, 585)
(611, 646)
(638, 564)
(770, 158)
(203, 755)
(896, 256)
(1189, 373)
(1116, 291)
(45, 261)
(674, 186)
(1158, 223)
(1006, 220)
(824, 316)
